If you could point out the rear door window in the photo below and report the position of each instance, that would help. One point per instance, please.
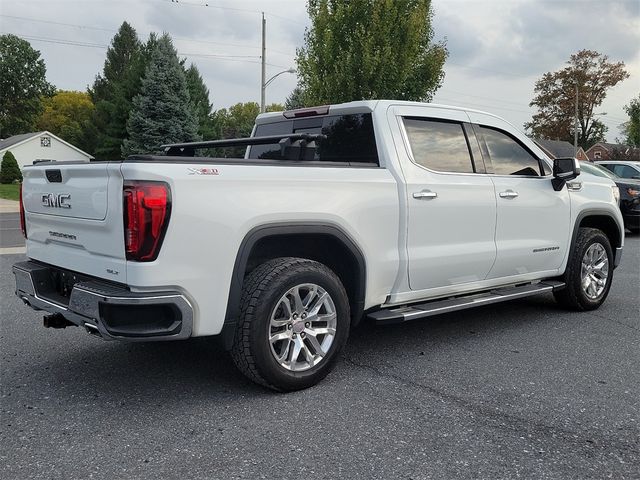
(439, 145)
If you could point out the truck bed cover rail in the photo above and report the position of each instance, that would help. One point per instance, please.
(188, 149)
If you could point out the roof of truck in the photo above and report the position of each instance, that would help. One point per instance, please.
(372, 105)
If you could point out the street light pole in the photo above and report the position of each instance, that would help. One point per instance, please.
(264, 63)
(575, 126)
(266, 84)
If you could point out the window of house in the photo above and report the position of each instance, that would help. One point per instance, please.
(597, 154)
(45, 141)
(438, 145)
(508, 156)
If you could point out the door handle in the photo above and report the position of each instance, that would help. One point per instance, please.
(508, 194)
(427, 194)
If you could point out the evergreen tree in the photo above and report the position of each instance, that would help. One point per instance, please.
(9, 170)
(162, 112)
(113, 92)
(200, 104)
(295, 99)
(23, 83)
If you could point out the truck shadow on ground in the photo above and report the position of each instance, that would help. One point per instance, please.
(201, 367)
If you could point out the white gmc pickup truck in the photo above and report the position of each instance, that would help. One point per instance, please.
(385, 210)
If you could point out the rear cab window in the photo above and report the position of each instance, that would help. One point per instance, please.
(350, 139)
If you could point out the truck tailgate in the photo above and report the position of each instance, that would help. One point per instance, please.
(74, 217)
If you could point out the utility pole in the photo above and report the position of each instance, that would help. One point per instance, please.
(264, 63)
(575, 126)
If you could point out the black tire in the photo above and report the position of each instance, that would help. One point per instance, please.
(263, 289)
(574, 296)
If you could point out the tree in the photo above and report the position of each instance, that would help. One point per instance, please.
(162, 112)
(68, 114)
(369, 49)
(113, 91)
(555, 98)
(631, 128)
(295, 99)
(200, 104)
(9, 170)
(237, 122)
(23, 83)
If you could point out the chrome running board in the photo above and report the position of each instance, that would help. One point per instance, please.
(453, 304)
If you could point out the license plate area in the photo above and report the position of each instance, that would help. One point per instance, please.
(55, 284)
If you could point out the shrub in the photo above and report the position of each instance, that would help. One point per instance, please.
(9, 170)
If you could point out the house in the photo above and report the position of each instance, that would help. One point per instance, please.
(613, 151)
(560, 149)
(41, 146)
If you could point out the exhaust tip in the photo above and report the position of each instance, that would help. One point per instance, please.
(92, 329)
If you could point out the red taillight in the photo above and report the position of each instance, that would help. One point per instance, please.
(147, 207)
(23, 223)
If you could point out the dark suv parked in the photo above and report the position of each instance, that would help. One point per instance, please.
(629, 194)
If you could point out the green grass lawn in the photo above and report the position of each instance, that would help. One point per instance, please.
(10, 191)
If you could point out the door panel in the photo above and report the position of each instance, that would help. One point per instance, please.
(533, 220)
(451, 237)
(451, 216)
(533, 228)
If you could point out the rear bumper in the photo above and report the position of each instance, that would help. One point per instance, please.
(112, 311)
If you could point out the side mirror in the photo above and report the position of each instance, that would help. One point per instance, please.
(564, 169)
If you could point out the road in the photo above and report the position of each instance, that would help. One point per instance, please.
(517, 390)
(10, 234)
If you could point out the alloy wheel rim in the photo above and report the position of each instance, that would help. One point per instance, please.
(594, 271)
(302, 327)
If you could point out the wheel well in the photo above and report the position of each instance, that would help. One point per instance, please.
(321, 247)
(605, 223)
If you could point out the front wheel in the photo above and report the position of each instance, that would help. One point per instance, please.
(294, 321)
(589, 271)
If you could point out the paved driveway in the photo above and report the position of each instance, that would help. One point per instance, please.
(517, 390)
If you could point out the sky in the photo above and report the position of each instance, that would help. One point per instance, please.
(497, 48)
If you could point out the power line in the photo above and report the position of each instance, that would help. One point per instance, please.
(478, 96)
(110, 30)
(487, 70)
(233, 9)
(232, 58)
(462, 104)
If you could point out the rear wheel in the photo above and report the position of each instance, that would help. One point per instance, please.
(589, 271)
(293, 323)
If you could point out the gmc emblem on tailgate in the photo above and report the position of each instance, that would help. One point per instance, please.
(53, 200)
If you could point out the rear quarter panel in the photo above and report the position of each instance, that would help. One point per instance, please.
(212, 213)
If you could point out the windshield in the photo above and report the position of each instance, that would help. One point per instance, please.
(598, 171)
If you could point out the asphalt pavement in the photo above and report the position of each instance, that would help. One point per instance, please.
(516, 390)
(11, 239)
(10, 233)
